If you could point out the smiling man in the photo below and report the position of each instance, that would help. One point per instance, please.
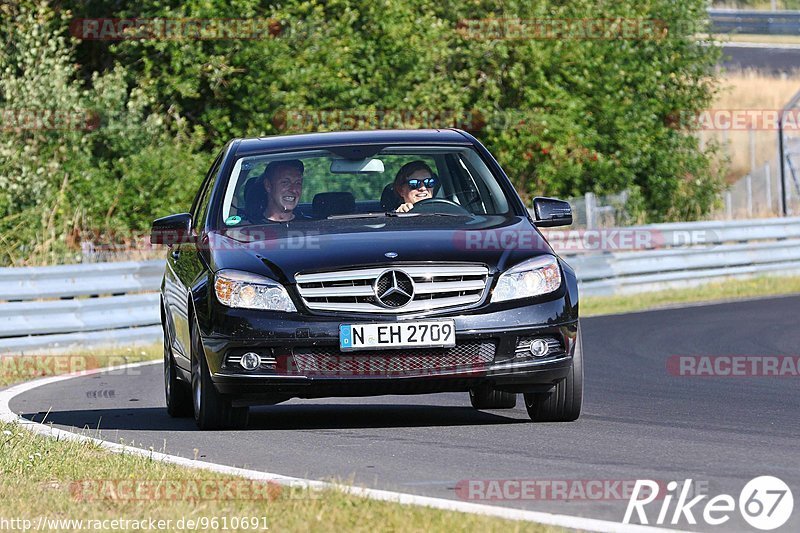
(283, 181)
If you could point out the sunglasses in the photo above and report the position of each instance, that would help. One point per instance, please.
(429, 183)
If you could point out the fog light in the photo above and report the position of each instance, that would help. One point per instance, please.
(539, 348)
(250, 361)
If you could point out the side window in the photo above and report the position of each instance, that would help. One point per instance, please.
(200, 207)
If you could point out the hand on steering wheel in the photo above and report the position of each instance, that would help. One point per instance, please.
(441, 205)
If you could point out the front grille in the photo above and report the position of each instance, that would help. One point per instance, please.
(469, 356)
(524, 343)
(434, 287)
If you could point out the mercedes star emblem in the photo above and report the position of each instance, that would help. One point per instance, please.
(394, 288)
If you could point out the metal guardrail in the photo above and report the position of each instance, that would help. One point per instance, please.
(754, 22)
(79, 280)
(62, 307)
(117, 303)
(690, 254)
(77, 316)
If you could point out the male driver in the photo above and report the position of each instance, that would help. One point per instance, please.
(283, 181)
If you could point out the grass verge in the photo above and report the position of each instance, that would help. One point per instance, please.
(712, 292)
(79, 481)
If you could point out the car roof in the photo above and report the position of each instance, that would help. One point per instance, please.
(374, 138)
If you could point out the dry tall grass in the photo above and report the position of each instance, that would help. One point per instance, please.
(746, 90)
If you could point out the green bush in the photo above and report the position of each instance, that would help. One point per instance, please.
(129, 162)
(595, 112)
(564, 116)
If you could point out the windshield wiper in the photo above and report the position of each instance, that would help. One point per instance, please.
(393, 214)
(358, 215)
(442, 214)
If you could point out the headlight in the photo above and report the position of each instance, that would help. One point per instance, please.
(534, 277)
(248, 291)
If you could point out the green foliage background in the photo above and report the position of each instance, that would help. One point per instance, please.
(564, 116)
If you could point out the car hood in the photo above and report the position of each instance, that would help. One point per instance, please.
(282, 250)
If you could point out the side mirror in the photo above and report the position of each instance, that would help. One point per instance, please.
(173, 229)
(551, 212)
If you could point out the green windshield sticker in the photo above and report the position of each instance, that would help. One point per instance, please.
(233, 220)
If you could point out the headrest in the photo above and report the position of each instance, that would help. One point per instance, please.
(389, 199)
(326, 204)
(255, 199)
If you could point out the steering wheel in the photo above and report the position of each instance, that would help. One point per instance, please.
(439, 205)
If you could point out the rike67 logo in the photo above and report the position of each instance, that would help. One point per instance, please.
(765, 503)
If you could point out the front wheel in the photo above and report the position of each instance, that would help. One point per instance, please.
(212, 410)
(563, 402)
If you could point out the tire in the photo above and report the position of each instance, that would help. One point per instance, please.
(487, 398)
(211, 409)
(178, 394)
(563, 402)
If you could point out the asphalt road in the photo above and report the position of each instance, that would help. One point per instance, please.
(765, 58)
(639, 421)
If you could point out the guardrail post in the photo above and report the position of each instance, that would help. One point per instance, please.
(728, 205)
(591, 210)
(782, 153)
(768, 186)
(748, 183)
(781, 166)
(752, 141)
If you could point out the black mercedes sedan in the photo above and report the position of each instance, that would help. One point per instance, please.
(365, 263)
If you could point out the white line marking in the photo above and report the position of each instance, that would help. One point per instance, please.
(745, 44)
(574, 522)
(775, 46)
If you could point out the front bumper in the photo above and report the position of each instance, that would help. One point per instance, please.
(256, 389)
(284, 336)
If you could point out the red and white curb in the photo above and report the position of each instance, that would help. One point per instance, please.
(567, 521)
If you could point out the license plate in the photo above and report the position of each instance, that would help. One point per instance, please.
(441, 333)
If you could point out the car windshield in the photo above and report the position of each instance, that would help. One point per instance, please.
(397, 181)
